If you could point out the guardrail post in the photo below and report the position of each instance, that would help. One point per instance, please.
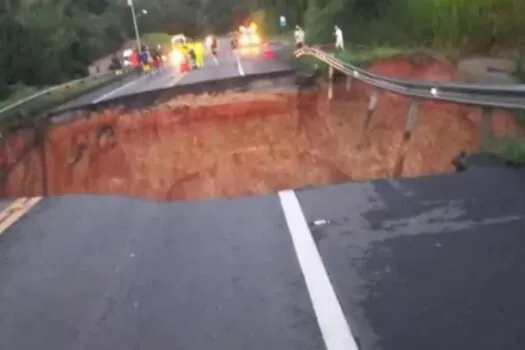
(41, 142)
(410, 120)
(330, 82)
(348, 82)
(485, 128)
(372, 103)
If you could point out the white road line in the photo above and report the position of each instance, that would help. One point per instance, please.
(112, 92)
(239, 65)
(15, 211)
(175, 80)
(330, 317)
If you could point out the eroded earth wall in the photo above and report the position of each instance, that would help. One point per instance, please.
(235, 143)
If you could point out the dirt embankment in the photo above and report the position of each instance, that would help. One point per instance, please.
(241, 143)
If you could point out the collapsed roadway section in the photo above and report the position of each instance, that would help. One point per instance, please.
(428, 262)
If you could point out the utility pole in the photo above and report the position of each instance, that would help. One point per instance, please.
(130, 3)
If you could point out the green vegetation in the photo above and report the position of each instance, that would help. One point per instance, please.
(518, 69)
(365, 55)
(17, 93)
(28, 111)
(474, 26)
(154, 39)
(381, 29)
(47, 42)
(511, 150)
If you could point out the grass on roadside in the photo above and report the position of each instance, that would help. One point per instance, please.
(511, 150)
(362, 56)
(17, 93)
(154, 39)
(285, 37)
(30, 110)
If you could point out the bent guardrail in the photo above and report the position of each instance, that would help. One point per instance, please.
(487, 97)
(495, 96)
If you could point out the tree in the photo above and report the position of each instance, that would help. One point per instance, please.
(49, 42)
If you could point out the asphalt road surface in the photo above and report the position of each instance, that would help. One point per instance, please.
(429, 263)
(230, 64)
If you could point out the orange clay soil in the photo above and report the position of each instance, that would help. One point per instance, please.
(242, 143)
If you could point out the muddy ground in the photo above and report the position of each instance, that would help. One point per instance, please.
(243, 143)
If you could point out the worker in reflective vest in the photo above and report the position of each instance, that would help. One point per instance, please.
(199, 54)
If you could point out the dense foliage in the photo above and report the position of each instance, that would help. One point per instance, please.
(473, 25)
(43, 42)
(48, 42)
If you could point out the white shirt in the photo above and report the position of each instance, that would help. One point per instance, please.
(299, 36)
(338, 34)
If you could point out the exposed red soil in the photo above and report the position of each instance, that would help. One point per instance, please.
(423, 68)
(244, 143)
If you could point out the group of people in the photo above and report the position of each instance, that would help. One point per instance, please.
(300, 37)
(195, 50)
(147, 60)
(144, 60)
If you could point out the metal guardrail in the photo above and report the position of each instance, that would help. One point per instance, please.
(488, 97)
(492, 96)
(30, 99)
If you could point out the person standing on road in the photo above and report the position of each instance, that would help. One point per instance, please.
(115, 65)
(214, 48)
(234, 41)
(156, 58)
(134, 60)
(191, 53)
(145, 60)
(299, 37)
(199, 54)
(339, 44)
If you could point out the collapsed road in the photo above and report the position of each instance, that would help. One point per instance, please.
(428, 262)
(267, 136)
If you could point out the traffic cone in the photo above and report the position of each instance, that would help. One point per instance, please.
(267, 51)
(185, 66)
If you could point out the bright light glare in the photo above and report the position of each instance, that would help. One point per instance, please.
(209, 40)
(250, 51)
(176, 57)
(250, 39)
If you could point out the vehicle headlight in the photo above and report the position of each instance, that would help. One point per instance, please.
(245, 40)
(176, 57)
